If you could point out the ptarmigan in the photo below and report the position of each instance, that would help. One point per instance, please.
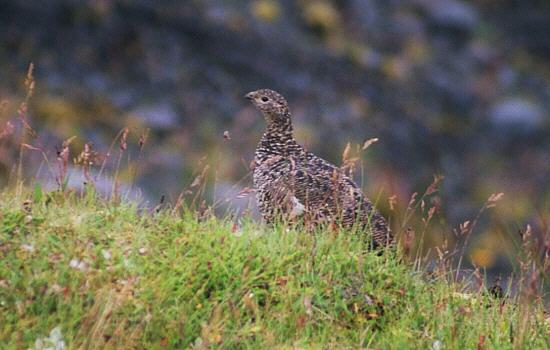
(292, 182)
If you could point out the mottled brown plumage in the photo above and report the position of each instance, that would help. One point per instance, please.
(292, 182)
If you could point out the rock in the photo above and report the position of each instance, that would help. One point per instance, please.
(159, 116)
(452, 14)
(517, 112)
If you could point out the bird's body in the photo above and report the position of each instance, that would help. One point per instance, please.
(292, 182)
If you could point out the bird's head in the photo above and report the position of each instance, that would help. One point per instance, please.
(272, 105)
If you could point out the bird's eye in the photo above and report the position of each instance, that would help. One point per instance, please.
(265, 99)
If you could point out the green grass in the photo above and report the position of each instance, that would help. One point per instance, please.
(112, 277)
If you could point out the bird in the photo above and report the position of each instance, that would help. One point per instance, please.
(293, 183)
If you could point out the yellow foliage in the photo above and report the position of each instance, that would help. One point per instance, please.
(57, 107)
(321, 13)
(266, 10)
(482, 257)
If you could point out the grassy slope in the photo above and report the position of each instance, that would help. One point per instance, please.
(112, 278)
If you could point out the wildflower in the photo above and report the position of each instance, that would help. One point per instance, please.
(53, 342)
(27, 247)
(78, 264)
(106, 254)
(437, 345)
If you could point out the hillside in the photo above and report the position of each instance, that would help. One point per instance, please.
(88, 274)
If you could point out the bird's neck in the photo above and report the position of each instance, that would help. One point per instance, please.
(278, 138)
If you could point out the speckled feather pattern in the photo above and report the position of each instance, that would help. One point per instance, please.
(287, 176)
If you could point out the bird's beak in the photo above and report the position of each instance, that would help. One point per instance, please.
(249, 96)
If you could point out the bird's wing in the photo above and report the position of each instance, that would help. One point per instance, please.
(329, 191)
(320, 185)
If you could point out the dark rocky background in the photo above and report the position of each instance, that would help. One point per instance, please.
(458, 88)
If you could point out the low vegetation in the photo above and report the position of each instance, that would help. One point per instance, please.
(81, 272)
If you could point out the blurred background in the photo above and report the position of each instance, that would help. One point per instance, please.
(455, 88)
